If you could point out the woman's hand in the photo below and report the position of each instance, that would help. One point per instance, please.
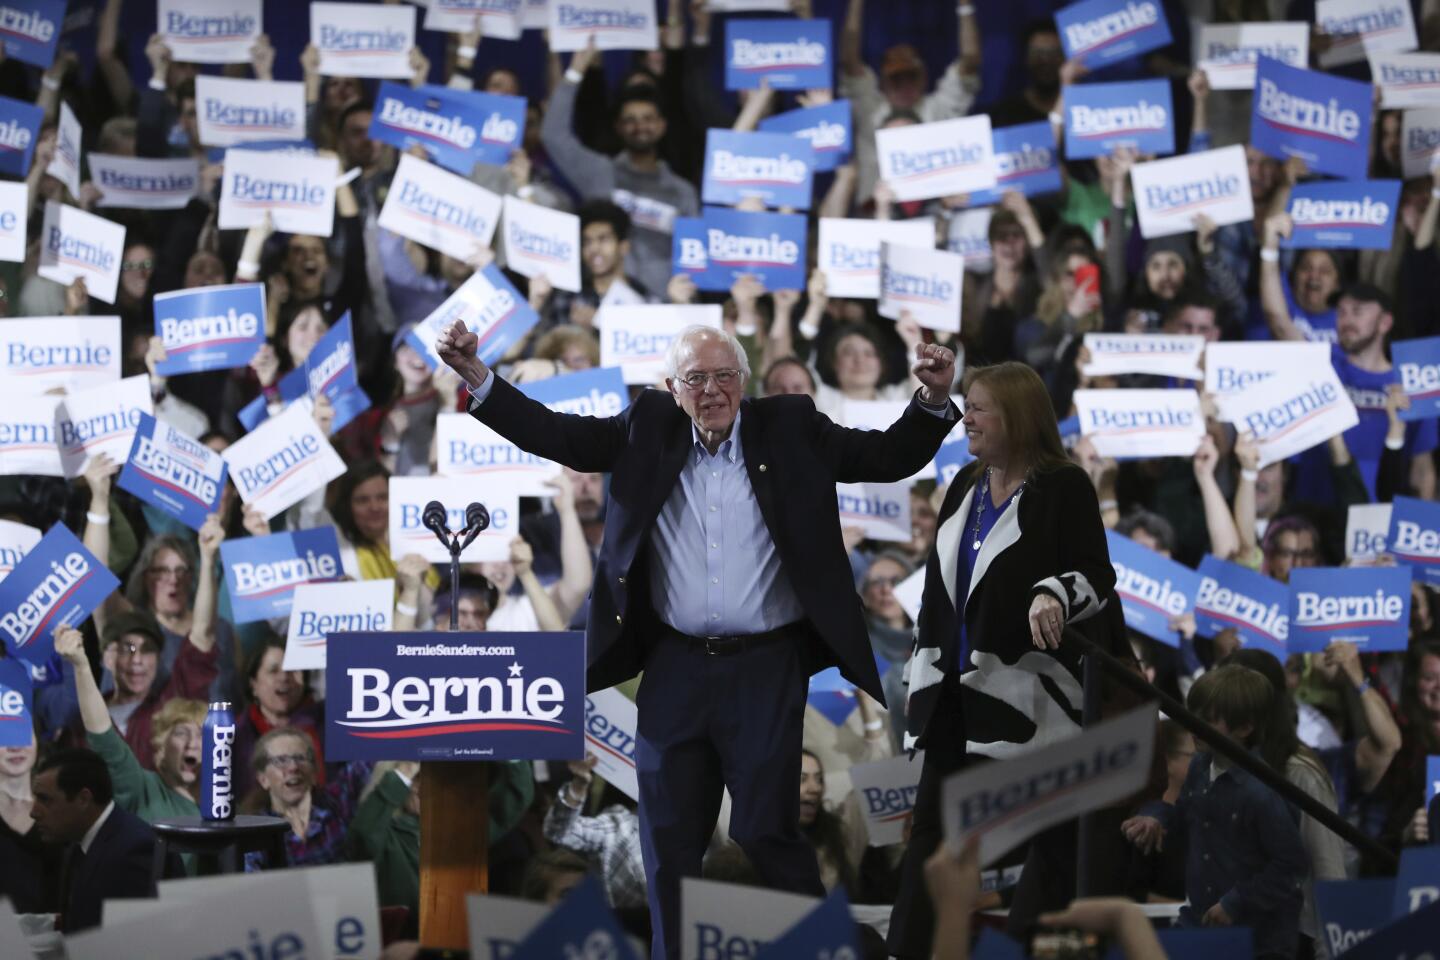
(266, 364)
(1145, 833)
(212, 534)
(255, 523)
(1047, 621)
(99, 473)
(411, 570)
(70, 644)
(522, 556)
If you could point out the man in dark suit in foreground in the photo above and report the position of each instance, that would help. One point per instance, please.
(722, 574)
(112, 852)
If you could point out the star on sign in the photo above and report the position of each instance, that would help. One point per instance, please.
(515, 669)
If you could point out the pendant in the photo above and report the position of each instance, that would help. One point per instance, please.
(975, 545)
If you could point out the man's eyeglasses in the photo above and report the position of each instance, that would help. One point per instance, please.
(722, 378)
(135, 650)
(283, 760)
(146, 264)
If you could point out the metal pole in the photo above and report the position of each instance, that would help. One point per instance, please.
(455, 584)
(1234, 752)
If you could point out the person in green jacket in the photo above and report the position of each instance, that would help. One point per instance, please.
(386, 825)
(171, 789)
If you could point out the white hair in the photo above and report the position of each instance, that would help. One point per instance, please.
(685, 342)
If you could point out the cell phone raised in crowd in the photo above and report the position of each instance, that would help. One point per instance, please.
(1087, 278)
(1051, 944)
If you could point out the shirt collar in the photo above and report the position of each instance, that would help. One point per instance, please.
(728, 447)
(90, 834)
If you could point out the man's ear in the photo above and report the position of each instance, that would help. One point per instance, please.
(674, 389)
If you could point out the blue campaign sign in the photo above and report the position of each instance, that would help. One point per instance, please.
(502, 126)
(1101, 32)
(17, 707)
(953, 455)
(447, 123)
(1408, 938)
(1238, 598)
(1418, 364)
(728, 243)
(19, 128)
(31, 28)
(450, 696)
(263, 572)
(1321, 119)
(600, 392)
(1414, 537)
(826, 931)
(330, 365)
(1417, 883)
(827, 128)
(792, 54)
(174, 473)
(58, 583)
(833, 695)
(1102, 116)
(1026, 159)
(348, 405)
(1344, 215)
(581, 926)
(994, 945)
(1351, 910)
(774, 167)
(1152, 588)
(210, 328)
(1432, 778)
(1366, 606)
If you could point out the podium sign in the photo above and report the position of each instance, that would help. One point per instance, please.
(455, 696)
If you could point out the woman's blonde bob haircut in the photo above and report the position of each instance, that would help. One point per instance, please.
(1024, 406)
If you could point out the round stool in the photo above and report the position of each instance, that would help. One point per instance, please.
(220, 846)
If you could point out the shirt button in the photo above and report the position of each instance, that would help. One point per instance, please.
(714, 473)
(713, 508)
(762, 468)
(714, 546)
(714, 579)
(622, 579)
(714, 616)
(617, 618)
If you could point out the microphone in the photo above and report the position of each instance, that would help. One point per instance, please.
(477, 519)
(433, 517)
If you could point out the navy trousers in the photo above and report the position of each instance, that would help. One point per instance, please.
(708, 722)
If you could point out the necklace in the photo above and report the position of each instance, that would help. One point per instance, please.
(984, 501)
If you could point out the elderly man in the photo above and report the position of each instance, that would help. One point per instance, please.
(723, 576)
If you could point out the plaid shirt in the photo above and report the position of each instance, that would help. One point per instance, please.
(612, 838)
(331, 808)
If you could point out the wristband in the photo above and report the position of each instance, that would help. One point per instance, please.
(49, 82)
(1109, 505)
(1397, 444)
(871, 725)
(1056, 120)
(744, 328)
(157, 84)
(1269, 255)
(809, 330)
(573, 75)
(389, 448)
(271, 392)
(965, 10)
(96, 519)
(405, 608)
(525, 192)
(1361, 687)
(465, 52)
(1250, 475)
(1435, 192)
(249, 268)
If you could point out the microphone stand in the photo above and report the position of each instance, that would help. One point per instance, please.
(456, 544)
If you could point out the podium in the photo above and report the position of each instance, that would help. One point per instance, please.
(448, 700)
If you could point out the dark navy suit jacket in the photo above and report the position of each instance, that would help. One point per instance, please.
(119, 865)
(794, 456)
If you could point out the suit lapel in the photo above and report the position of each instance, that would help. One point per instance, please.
(757, 467)
(678, 444)
(947, 544)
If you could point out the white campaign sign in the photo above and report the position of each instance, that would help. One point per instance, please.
(1227, 51)
(1419, 141)
(75, 245)
(539, 240)
(716, 918)
(1233, 367)
(465, 447)
(14, 219)
(139, 183)
(882, 510)
(1406, 79)
(437, 209)
(498, 924)
(1367, 525)
(343, 894)
(41, 353)
(1008, 802)
(1141, 423)
(481, 305)
(298, 192)
(610, 738)
(210, 31)
(1364, 27)
(320, 609)
(13, 942)
(277, 916)
(747, 6)
(230, 110)
(635, 339)
(615, 25)
(282, 461)
(969, 235)
(849, 251)
(363, 39)
(910, 592)
(886, 792)
(939, 159)
(27, 433)
(16, 539)
(923, 282)
(1170, 193)
(1157, 354)
(65, 164)
(408, 496)
(499, 19)
(1293, 411)
(100, 420)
